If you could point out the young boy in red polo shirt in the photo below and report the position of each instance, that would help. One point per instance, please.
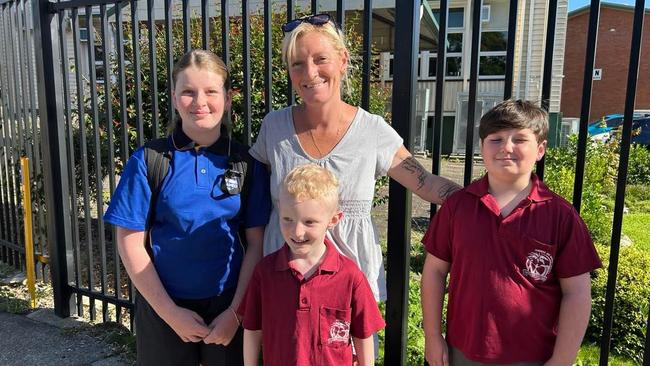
(305, 301)
(518, 255)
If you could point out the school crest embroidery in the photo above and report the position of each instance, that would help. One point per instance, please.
(538, 265)
(339, 332)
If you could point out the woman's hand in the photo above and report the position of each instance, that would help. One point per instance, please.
(187, 324)
(223, 328)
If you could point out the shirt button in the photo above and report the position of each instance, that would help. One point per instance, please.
(304, 301)
(203, 171)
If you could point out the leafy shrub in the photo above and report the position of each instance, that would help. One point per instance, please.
(598, 184)
(415, 342)
(639, 165)
(631, 303)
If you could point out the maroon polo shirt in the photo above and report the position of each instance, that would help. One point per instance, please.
(504, 290)
(309, 321)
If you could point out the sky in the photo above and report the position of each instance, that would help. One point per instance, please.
(575, 4)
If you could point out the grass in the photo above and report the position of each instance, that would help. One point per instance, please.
(635, 226)
(589, 355)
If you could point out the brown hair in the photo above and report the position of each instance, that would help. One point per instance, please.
(517, 114)
(202, 60)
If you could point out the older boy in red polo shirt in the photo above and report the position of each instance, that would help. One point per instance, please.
(519, 257)
(306, 300)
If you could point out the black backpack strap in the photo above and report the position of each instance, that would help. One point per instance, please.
(157, 156)
(241, 161)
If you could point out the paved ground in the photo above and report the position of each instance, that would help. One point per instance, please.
(25, 341)
(41, 338)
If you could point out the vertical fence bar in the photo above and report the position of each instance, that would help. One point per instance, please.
(124, 143)
(3, 165)
(154, 69)
(85, 179)
(13, 133)
(36, 163)
(441, 61)
(473, 86)
(314, 6)
(67, 99)
(510, 49)
(548, 69)
(205, 30)
(407, 24)
(291, 99)
(187, 32)
(585, 106)
(56, 179)
(268, 57)
(246, 83)
(225, 31)
(340, 13)
(169, 49)
(619, 203)
(646, 350)
(108, 110)
(367, 54)
(82, 143)
(135, 28)
(6, 149)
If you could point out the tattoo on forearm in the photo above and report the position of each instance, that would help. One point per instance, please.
(447, 190)
(415, 168)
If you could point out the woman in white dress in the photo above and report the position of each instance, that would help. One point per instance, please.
(358, 147)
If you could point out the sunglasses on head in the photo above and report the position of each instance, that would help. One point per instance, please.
(317, 19)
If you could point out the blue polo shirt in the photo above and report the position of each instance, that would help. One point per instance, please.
(196, 247)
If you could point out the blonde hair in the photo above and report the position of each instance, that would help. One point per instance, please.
(202, 60)
(333, 34)
(312, 182)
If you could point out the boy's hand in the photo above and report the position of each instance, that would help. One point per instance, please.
(187, 324)
(223, 328)
(436, 351)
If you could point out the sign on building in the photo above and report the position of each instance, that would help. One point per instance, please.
(598, 74)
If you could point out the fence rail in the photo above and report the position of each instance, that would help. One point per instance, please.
(85, 82)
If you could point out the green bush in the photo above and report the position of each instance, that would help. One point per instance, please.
(598, 185)
(415, 342)
(639, 165)
(631, 302)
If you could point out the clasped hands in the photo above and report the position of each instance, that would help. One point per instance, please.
(190, 327)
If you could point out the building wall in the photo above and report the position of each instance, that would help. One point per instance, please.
(612, 56)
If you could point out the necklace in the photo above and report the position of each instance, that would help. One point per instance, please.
(313, 140)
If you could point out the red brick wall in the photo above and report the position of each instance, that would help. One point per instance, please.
(612, 56)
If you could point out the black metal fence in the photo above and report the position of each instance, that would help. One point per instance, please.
(83, 82)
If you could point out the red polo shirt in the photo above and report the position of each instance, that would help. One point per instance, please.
(504, 290)
(309, 321)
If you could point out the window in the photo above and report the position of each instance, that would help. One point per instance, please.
(485, 13)
(100, 73)
(455, 17)
(492, 57)
(454, 57)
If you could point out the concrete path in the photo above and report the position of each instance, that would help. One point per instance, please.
(26, 341)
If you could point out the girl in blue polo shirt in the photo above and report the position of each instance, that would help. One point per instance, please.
(196, 270)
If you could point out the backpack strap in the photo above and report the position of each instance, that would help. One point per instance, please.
(157, 156)
(241, 161)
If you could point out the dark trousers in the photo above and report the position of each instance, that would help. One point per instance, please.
(158, 344)
(457, 358)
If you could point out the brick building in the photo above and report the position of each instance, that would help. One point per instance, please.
(612, 57)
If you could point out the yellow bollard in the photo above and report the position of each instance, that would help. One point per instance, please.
(29, 244)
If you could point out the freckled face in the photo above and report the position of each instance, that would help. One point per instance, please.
(512, 153)
(200, 98)
(316, 69)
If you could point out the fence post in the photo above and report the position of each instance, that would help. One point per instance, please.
(407, 24)
(55, 164)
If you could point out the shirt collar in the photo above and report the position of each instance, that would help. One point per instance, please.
(182, 142)
(330, 262)
(539, 192)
